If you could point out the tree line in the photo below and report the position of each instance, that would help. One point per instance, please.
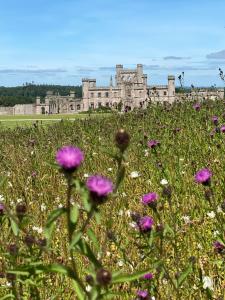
(9, 96)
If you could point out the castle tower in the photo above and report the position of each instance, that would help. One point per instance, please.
(171, 88)
(85, 92)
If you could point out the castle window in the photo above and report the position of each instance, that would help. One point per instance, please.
(99, 95)
(92, 95)
(92, 105)
(165, 93)
(107, 104)
(71, 107)
(107, 95)
(78, 106)
(99, 104)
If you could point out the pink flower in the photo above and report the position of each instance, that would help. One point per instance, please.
(69, 158)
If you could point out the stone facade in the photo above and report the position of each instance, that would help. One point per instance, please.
(129, 90)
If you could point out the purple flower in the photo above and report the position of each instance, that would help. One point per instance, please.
(219, 247)
(69, 157)
(143, 295)
(145, 224)
(222, 128)
(100, 187)
(203, 176)
(153, 143)
(2, 208)
(150, 199)
(215, 120)
(197, 106)
(148, 276)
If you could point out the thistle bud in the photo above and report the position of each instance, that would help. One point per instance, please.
(122, 139)
(103, 277)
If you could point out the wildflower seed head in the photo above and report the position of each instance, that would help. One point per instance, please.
(42, 243)
(167, 192)
(29, 240)
(89, 279)
(13, 249)
(21, 209)
(69, 158)
(222, 128)
(103, 277)
(215, 120)
(122, 140)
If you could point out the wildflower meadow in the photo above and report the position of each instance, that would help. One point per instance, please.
(126, 206)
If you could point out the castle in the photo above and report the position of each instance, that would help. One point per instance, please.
(130, 90)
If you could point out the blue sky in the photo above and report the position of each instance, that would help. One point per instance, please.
(62, 41)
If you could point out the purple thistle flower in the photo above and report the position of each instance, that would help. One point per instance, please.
(222, 128)
(2, 208)
(219, 247)
(100, 187)
(145, 224)
(203, 176)
(69, 158)
(143, 295)
(150, 199)
(215, 120)
(148, 276)
(153, 143)
(197, 106)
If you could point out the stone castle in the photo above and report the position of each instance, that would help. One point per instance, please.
(130, 90)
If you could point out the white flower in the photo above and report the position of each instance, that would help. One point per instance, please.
(211, 214)
(123, 194)
(207, 283)
(38, 229)
(186, 219)
(134, 174)
(120, 263)
(86, 175)
(60, 205)
(19, 200)
(120, 213)
(108, 253)
(133, 224)
(128, 213)
(219, 209)
(2, 198)
(163, 182)
(146, 153)
(43, 207)
(216, 232)
(109, 169)
(88, 288)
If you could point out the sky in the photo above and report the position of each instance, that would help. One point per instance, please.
(63, 41)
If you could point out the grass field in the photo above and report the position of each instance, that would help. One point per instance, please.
(183, 250)
(28, 120)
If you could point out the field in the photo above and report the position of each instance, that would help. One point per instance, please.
(182, 251)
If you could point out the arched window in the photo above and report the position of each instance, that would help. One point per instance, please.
(43, 110)
(78, 106)
(99, 95)
(165, 93)
(107, 95)
(71, 107)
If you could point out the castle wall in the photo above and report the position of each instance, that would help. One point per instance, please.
(24, 109)
(5, 110)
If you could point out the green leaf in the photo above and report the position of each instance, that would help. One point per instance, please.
(9, 296)
(79, 292)
(75, 239)
(74, 214)
(93, 237)
(168, 230)
(184, 275)
(18, 272)
(14, 227)
(55, 214)
(128, 277)
(57, 268)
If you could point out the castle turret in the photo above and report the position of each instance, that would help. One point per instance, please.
(171, 88)
(85, 92)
